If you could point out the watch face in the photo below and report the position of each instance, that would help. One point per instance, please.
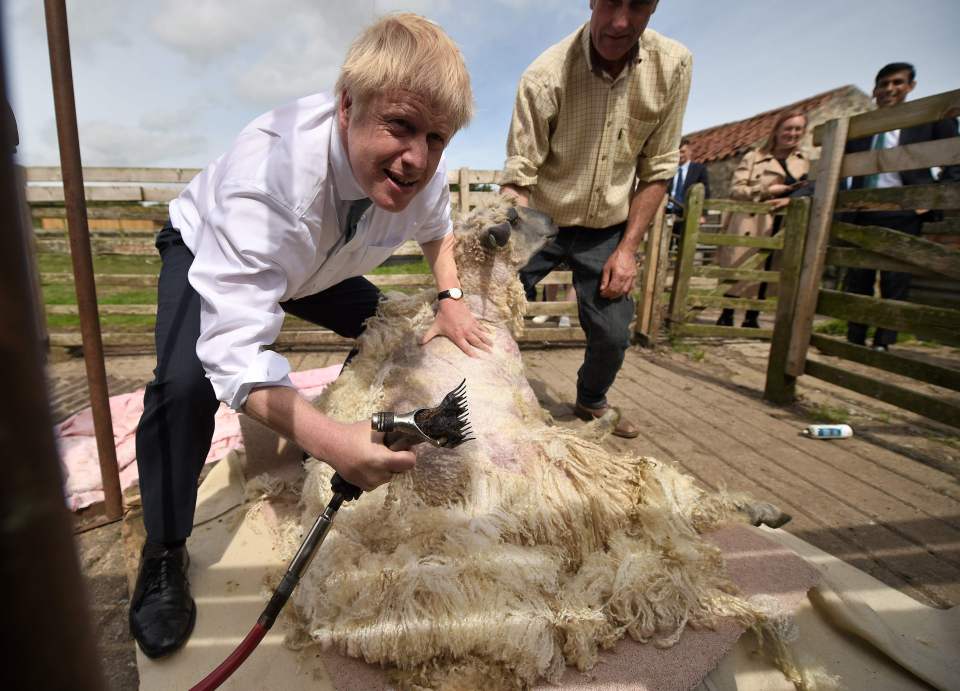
(455, 293)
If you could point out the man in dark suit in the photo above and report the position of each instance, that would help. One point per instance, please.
(891, 87)
(689, 173)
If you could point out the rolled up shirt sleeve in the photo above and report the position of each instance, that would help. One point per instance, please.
(660, 155)
(248, 248)
(528, 141)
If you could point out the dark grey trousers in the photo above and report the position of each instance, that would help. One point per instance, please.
(175, 431)
(605, 322)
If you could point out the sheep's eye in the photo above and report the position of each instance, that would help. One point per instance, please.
(512, 216)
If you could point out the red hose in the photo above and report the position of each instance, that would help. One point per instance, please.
(229, 666)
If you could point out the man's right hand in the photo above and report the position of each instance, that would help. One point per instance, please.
(360, 457)
(521, 194)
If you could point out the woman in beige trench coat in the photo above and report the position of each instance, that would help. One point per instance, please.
(768, 174)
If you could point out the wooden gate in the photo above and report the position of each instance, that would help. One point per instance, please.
(686, 300)
(830, 242)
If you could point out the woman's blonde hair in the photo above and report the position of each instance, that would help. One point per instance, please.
(409, 52)
(771, 144)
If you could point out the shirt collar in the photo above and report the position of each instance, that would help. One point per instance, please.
(636, 53)
(346, 183)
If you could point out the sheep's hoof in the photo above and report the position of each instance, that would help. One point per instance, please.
(765, 513)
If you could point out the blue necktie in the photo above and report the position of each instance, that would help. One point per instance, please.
(355, 213)
(678, 190)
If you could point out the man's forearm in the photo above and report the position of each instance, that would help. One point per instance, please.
(521, 194)
(290, 415)
(439, 255)
(643, 206)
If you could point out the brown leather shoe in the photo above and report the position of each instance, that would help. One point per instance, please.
(624, 428)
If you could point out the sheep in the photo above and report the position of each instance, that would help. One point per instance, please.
(524, 551)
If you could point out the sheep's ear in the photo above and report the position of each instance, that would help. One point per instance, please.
(497, 236)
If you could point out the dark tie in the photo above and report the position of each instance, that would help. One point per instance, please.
(357, 208)
(678, 190)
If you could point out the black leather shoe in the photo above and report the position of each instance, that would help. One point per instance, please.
(726, 317)
(162, 613)
(751, 320)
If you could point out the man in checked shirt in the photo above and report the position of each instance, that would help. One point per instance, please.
(593, 142)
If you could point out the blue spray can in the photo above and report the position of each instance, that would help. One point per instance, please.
(829, 431)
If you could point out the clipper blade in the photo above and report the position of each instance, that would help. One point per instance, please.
(449, 422)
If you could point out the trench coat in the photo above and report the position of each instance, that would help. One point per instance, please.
(758, 170)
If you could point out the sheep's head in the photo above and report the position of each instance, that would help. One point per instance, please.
(494, 242)
(500, 234)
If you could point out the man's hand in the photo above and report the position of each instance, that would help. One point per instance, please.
(455, 321)
(619, 273)
(358, 454)
(780, 203)
(353, 450)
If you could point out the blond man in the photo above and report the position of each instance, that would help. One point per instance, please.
(594, 142)
(309, 197)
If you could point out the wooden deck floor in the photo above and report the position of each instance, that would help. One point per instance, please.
(892, 511)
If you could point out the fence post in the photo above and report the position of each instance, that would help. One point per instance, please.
(818, 235)
(464, 183)
(688, 248)
(781, 387)
(648, 320)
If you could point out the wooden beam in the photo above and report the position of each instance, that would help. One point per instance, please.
(780, 386)
(949, 226)
(815, 244)
(118, 280)
(939, 323)
(709, 330)
(936, 196)
(688, 248)
(103, 174)
(663, 269)
(158, 212)
(889, 362)
(941, 152)
(771, 243)
(649, 293)
(919, 112)
(463, 181)
(552, 309)
(725, 274)
(695, 301)
(856, 258)
(738, 206)
(931, 407)
(900, 246)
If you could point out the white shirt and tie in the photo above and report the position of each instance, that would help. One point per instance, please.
(266, 223)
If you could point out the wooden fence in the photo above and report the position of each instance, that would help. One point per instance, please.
(830, 242)
(126, 206)
(685, 300)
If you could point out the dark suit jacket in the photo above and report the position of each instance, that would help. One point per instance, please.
(696, 172)
(944, 129)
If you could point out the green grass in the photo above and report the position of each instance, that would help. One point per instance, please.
(103, 264)
(838, 327)
(833, 415)
(693, 352)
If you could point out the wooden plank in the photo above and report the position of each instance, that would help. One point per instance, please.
(780, 386)
(91, 193)
(949, 226)
(940, 152)
(109, 174)
(688, 248)
(815, 244)
(157, 212)
(725, 274)
(889, 362)
(937, 409)
(132, 247)
(552, 334)
(936, 196)
(463, 180)
(919, 112)
(771, 243)
(117, 280)
(477, 177)
(938, 323)
(136, 310)
(709, 330)
(892, 243)
(552, 309)
(738, 206)
(662, 270)
(649, 294)
(856, 258)
(701, 301)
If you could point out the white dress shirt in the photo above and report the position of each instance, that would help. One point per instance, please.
(264, 222)
(891, 140)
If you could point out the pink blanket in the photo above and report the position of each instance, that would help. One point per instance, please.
(78, 446)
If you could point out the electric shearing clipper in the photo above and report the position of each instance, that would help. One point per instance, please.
(445, 425)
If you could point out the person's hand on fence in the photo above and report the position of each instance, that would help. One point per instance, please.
(776, 204)
(619, 274)
(779, 189)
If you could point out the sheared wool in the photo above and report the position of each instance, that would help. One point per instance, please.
(512, 556)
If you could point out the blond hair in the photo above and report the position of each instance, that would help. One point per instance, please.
(409, 52)
(771, 144)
